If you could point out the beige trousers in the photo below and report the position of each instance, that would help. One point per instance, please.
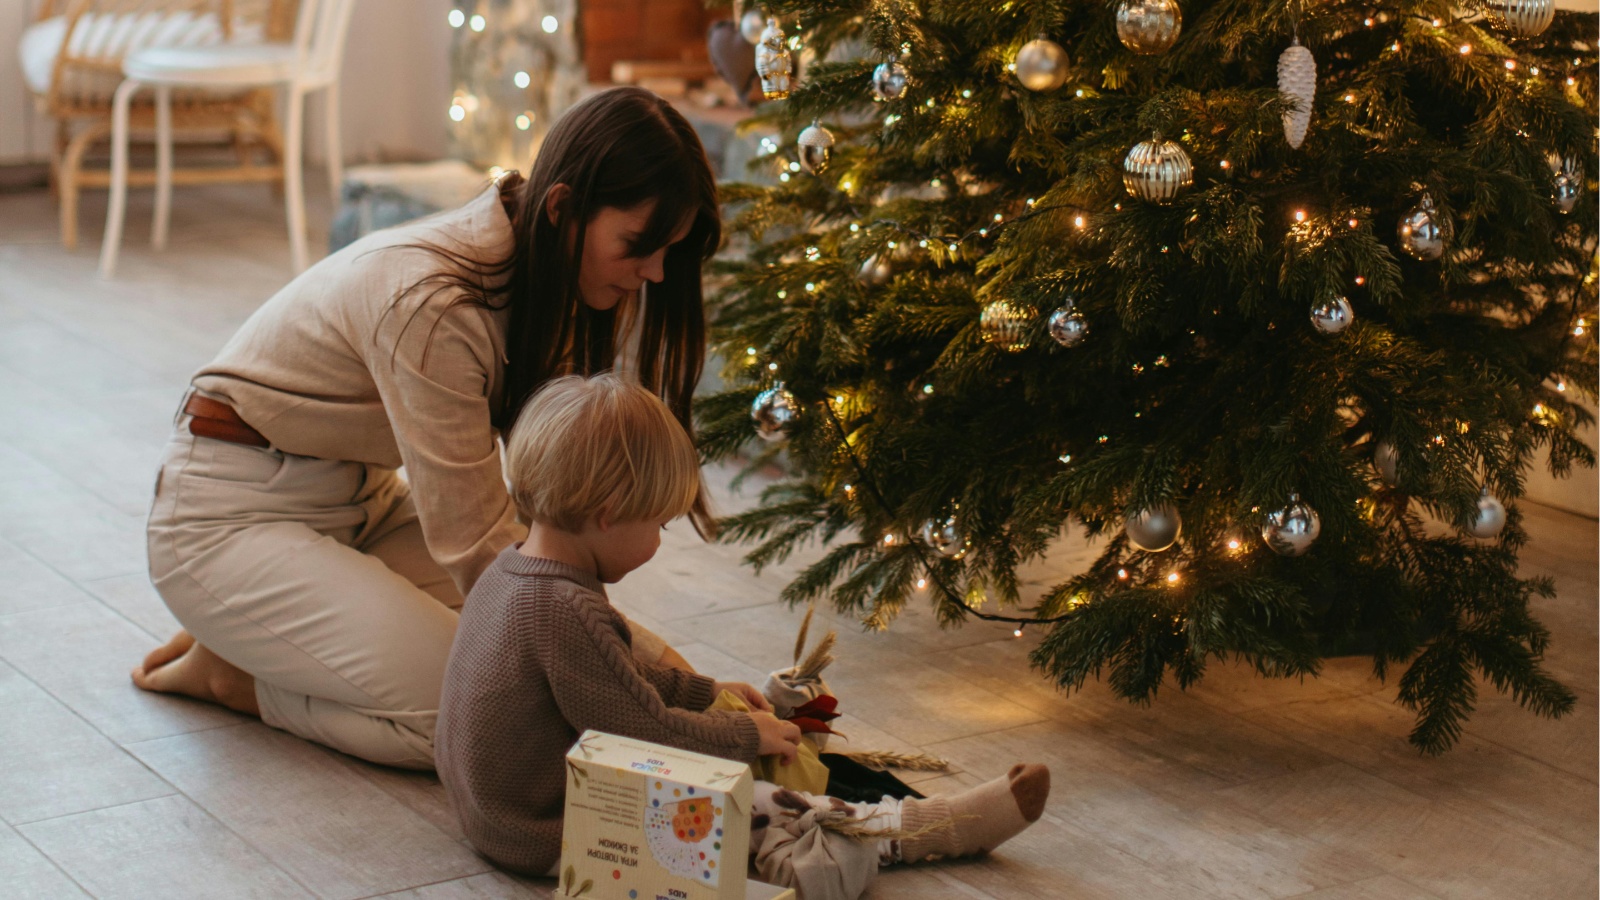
(313, 576)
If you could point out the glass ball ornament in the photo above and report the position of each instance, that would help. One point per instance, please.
(1042, 65)
(1292, 530)
(1154, 529)
(874, 271)
(774, 410)
(1423, 231)
(816, 149)
(889, 80)
(1528, 18)
(1387, 461)
(1006, 326)
(1490, 517)
(1156, 170)
(1567, 184)
(1067, 326)
(1332, 316)
(1149, 26)
(944, 538)
(751, 24)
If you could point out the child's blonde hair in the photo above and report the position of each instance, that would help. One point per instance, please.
(584, 445)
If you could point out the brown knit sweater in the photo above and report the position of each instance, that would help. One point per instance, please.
(539, 657)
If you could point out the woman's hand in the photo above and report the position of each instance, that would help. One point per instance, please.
(746, 692)
(777, 736)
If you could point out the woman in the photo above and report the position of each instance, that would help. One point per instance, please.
(317, 588)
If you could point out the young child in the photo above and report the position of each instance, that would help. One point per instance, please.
(598, 467)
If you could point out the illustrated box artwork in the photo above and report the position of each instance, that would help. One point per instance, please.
(648, 822)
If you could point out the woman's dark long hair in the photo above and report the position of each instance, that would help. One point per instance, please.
(619, 148)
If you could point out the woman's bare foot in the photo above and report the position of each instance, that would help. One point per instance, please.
(184, 666)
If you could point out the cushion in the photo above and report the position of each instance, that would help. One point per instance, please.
(112, 36)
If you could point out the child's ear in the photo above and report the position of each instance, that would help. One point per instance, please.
(602, 519)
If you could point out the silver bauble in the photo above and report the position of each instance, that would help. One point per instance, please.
(1291, 531)
(1154, 529)
(774, 63)
(1042, 65)
(1006, 326)
(945, 538)
(1490, 518)
(751, 24)
(1387, 460)
(1422, 231)
(816, 149)
(874, 271)
(1568, 184)
(1156, 170)
(774, 410)
(1528, 18)
(1297, 80)
(1068, 327)
(1149, 26)
(889, 81)
(1332, 316)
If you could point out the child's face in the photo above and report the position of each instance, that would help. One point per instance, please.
(621, 547)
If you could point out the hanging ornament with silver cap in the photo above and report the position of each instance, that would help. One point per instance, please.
(1528, 18)
(1156, 170)
(1567, 184)
(1068, 326)
(1490, 517)
(1297, 81)
(751, 24)
(1149, 26)
(1292, 530)
(1423, 231)
(1042, 65)
(816, 148)
(1387, 460)
(1154, 529)
(1332, 316)
(945, 538)
(774, 63)
(774, 410)
(874, 271)
(889, 80)
(1006, 326)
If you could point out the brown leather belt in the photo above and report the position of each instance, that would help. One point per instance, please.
(217, 420)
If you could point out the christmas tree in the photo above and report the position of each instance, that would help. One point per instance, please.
(1280, 301)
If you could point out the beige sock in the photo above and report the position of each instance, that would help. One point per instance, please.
(977, 820)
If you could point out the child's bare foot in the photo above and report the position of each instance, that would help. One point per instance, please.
(977, 820)
(184, 666)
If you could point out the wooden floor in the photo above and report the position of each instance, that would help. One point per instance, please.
(1241, 788)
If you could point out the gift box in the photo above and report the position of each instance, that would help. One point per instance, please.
(648, 822)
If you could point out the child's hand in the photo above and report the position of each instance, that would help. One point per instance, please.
(777, 736)
(746, 692)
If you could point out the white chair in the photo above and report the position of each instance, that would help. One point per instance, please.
(311, 63)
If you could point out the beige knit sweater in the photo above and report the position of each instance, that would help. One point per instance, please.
(539, 657)
(332, 366)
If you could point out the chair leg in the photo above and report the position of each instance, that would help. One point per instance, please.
(158, 229)
(119, 177)
(335, 143)
(294, 193)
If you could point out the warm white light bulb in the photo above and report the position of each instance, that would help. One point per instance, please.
(457, 113)
(523, 122)
(457, 18)
(477, 23)
(549, 24)
(521, 79)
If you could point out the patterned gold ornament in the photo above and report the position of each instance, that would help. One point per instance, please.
(1154, 529)
(1528, 18)
(774, 410)
(1006, 326)
(1297, 81)
(1042, 65)
(1423, 232)
(1149, 26)
(774, 63)
(1156, 170)
(816, 148)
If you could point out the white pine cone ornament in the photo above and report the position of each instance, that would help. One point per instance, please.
(1297, 80)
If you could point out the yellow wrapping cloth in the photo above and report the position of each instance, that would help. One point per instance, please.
(806, 773)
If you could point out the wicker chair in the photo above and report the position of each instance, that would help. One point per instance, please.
(72, 61)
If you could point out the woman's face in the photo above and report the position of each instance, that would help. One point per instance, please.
(610, 270)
